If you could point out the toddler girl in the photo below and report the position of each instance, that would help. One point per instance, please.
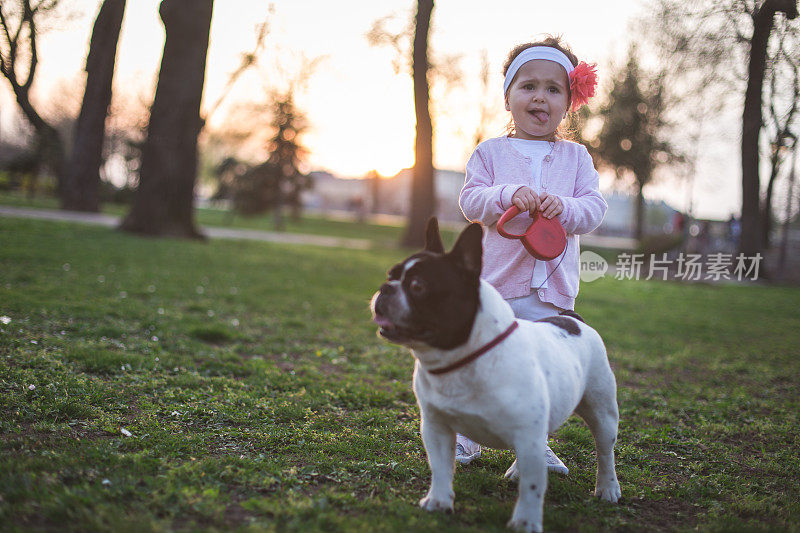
(534, 169)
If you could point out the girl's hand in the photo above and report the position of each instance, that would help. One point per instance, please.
(550, 205)
(526, 200)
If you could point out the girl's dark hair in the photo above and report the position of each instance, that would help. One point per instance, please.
(552, 42)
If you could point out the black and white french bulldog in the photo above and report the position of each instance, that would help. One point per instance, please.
(503, 382)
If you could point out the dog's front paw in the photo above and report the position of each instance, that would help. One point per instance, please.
(523, 524)
(513, 472)
(432, 503)
(608, 491)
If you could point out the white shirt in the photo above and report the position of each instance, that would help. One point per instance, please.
(535, 151)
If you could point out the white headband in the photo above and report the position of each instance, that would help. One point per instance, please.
(536, 52)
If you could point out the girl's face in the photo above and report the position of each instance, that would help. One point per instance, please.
(538, 99)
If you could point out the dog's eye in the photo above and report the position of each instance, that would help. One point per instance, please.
(416, 286)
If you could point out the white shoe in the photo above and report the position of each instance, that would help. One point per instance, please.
(554, 464)
(466, 450)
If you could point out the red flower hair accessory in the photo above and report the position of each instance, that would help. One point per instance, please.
(582, 83)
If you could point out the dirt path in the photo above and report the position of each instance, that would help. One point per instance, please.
(99, 219)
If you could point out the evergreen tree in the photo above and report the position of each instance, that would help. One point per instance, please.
(631, 139)
(277, 182)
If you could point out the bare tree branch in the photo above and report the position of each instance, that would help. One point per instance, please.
(20, 30)
(400, 41)
(5, 26)
(34, 61)
(247, 61)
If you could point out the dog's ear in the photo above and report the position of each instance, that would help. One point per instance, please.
(433, 240)
(467, 250)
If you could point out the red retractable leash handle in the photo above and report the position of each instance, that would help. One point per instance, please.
(544, 239)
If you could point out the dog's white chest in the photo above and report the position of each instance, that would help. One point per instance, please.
(487, 401)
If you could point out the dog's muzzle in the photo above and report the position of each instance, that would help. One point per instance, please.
(387, 312)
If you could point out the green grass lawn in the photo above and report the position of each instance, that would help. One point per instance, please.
(257, 397)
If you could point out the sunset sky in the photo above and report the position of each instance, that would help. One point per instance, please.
(361, 112)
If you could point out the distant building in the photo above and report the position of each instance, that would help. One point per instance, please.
(330, 193)
(620, 217)
(393, 195)
(390, 196)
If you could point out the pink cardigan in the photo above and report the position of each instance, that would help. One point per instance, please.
(495, 171)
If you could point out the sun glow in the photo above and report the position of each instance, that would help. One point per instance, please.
(372, 136)
(360, 165)
(391, 161)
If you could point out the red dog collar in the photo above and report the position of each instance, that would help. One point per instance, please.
(474, 355)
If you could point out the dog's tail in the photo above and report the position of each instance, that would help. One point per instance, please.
(572, 314)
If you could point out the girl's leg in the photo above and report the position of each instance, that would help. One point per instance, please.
(554, 464)
(466, 450)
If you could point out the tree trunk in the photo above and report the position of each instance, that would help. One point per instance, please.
(50, 149)
(640, 208)
(374, 192)
(787, 223)
(82, 175)
(423, 193)
(163, 204)
(766, 208)
(278, 222)
(763, 20)
(49, 146)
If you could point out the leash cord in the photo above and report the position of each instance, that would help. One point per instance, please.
(563, 255)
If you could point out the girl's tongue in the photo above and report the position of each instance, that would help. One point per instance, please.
(541, 116)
